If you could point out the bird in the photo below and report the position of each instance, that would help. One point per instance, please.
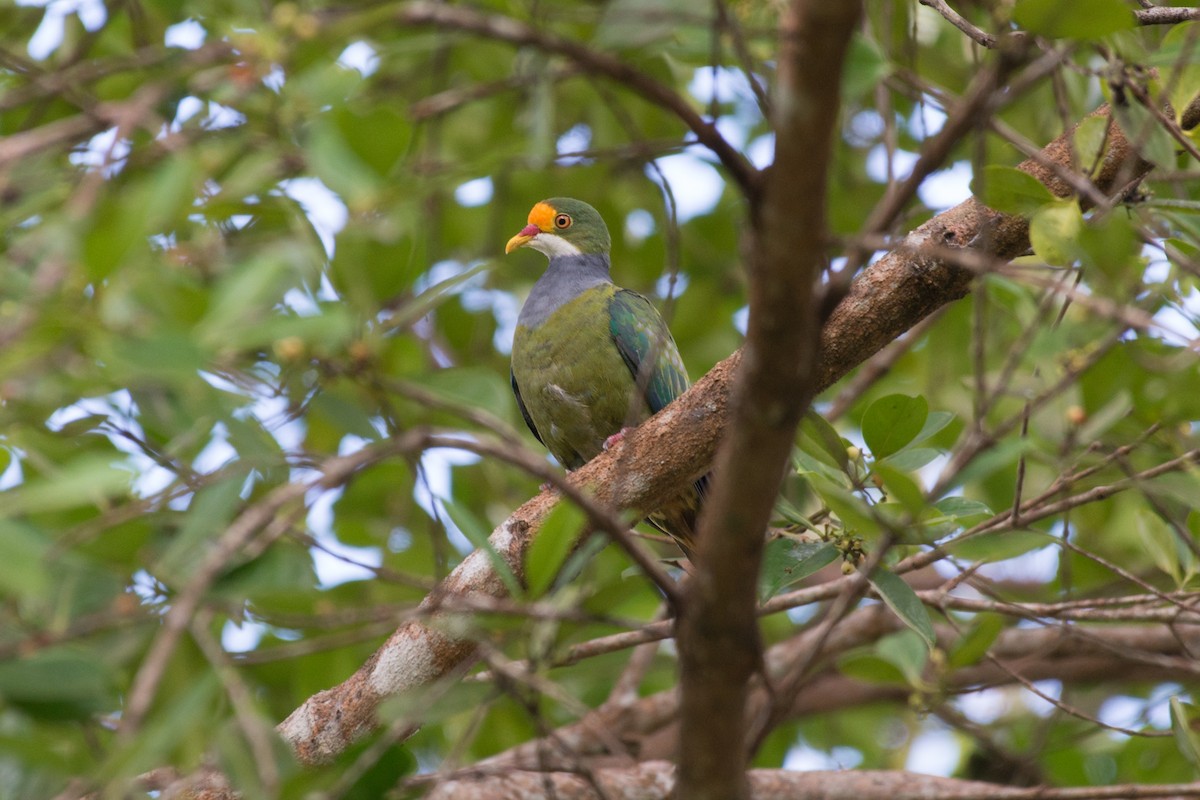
(589, 359)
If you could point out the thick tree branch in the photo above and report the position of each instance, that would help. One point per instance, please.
(719, 648)
(655, 779)
(1093, 655)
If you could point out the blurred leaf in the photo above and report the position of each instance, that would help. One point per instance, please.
(1054, 232)
(871, 668)
(477, 535)
(471, 387)
(211, 510)
(787, 561)
(1163, 545)
(175, 719)
(849, 508)
(892, 422)
(1111, 243)
(387, 768)
(632, 24)
(820, 440)
(555, 539)
(908, 651)
(338, 165)
(866, 65)
(1011, 191)
(1141, 128)
(1089, 139)
(964, 509)
(972, 647)
(86, 480)
(911, 459)
(1179, 52)
(1092, 20)
(935, 423)
(58, 684)
(378, 137)
(901, 486)
(903, 601)
(1185, 724)
(26, 557)
(992, 547)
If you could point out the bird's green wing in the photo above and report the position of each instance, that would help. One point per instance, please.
(646, 345)
(521, 405)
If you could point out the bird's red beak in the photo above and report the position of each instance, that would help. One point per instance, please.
(523, 238)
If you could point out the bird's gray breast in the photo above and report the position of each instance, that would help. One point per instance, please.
(565, 279)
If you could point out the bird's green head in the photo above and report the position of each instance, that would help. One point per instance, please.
(561, 226)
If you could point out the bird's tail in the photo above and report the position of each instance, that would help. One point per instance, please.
(678, 518)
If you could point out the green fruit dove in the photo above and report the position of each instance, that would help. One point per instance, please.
(590, 359)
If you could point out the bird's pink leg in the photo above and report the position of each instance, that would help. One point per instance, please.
(615, 439)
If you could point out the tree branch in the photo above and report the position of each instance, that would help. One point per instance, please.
(717, 632)
(655, 779)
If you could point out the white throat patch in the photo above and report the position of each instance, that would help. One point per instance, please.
(552, 245)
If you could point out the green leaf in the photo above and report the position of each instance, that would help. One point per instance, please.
(935, 423)
(901, 486)
(1180, 65)
(1163, 545)
(1054, 232)
(911, 459)
(892, 422)
(555, 540)
(1057, 19)
(1011, 191)
(866, 65)
(471, 387)
(209, 512)
(385, 770)
(477, 535)
(379, 136)
(787, 561)
(87, 480)
(173, 722)
(903, 601)
(1099, 422)
(1090, 138)
(1111, 243)
(977, 640)
(1185, 724)
(58, 684)
(632, 24)
(26, 558)
(850, 509)
(336, 163)
(822, 441)
(871, 668)
(907, 650)
(1144, 130)
(967, 511)
(1003, 456)
(999, 546)
(434, 296)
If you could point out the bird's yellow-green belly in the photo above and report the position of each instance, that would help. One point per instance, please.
(575, 385)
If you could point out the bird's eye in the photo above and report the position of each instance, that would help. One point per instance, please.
(562, 221)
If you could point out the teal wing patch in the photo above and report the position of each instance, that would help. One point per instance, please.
(646, 346)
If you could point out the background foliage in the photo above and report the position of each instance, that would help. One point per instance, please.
(240, 240)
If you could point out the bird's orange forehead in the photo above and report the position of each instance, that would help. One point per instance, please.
(542, 215)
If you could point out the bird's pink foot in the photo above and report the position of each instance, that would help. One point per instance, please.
(613, 440)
